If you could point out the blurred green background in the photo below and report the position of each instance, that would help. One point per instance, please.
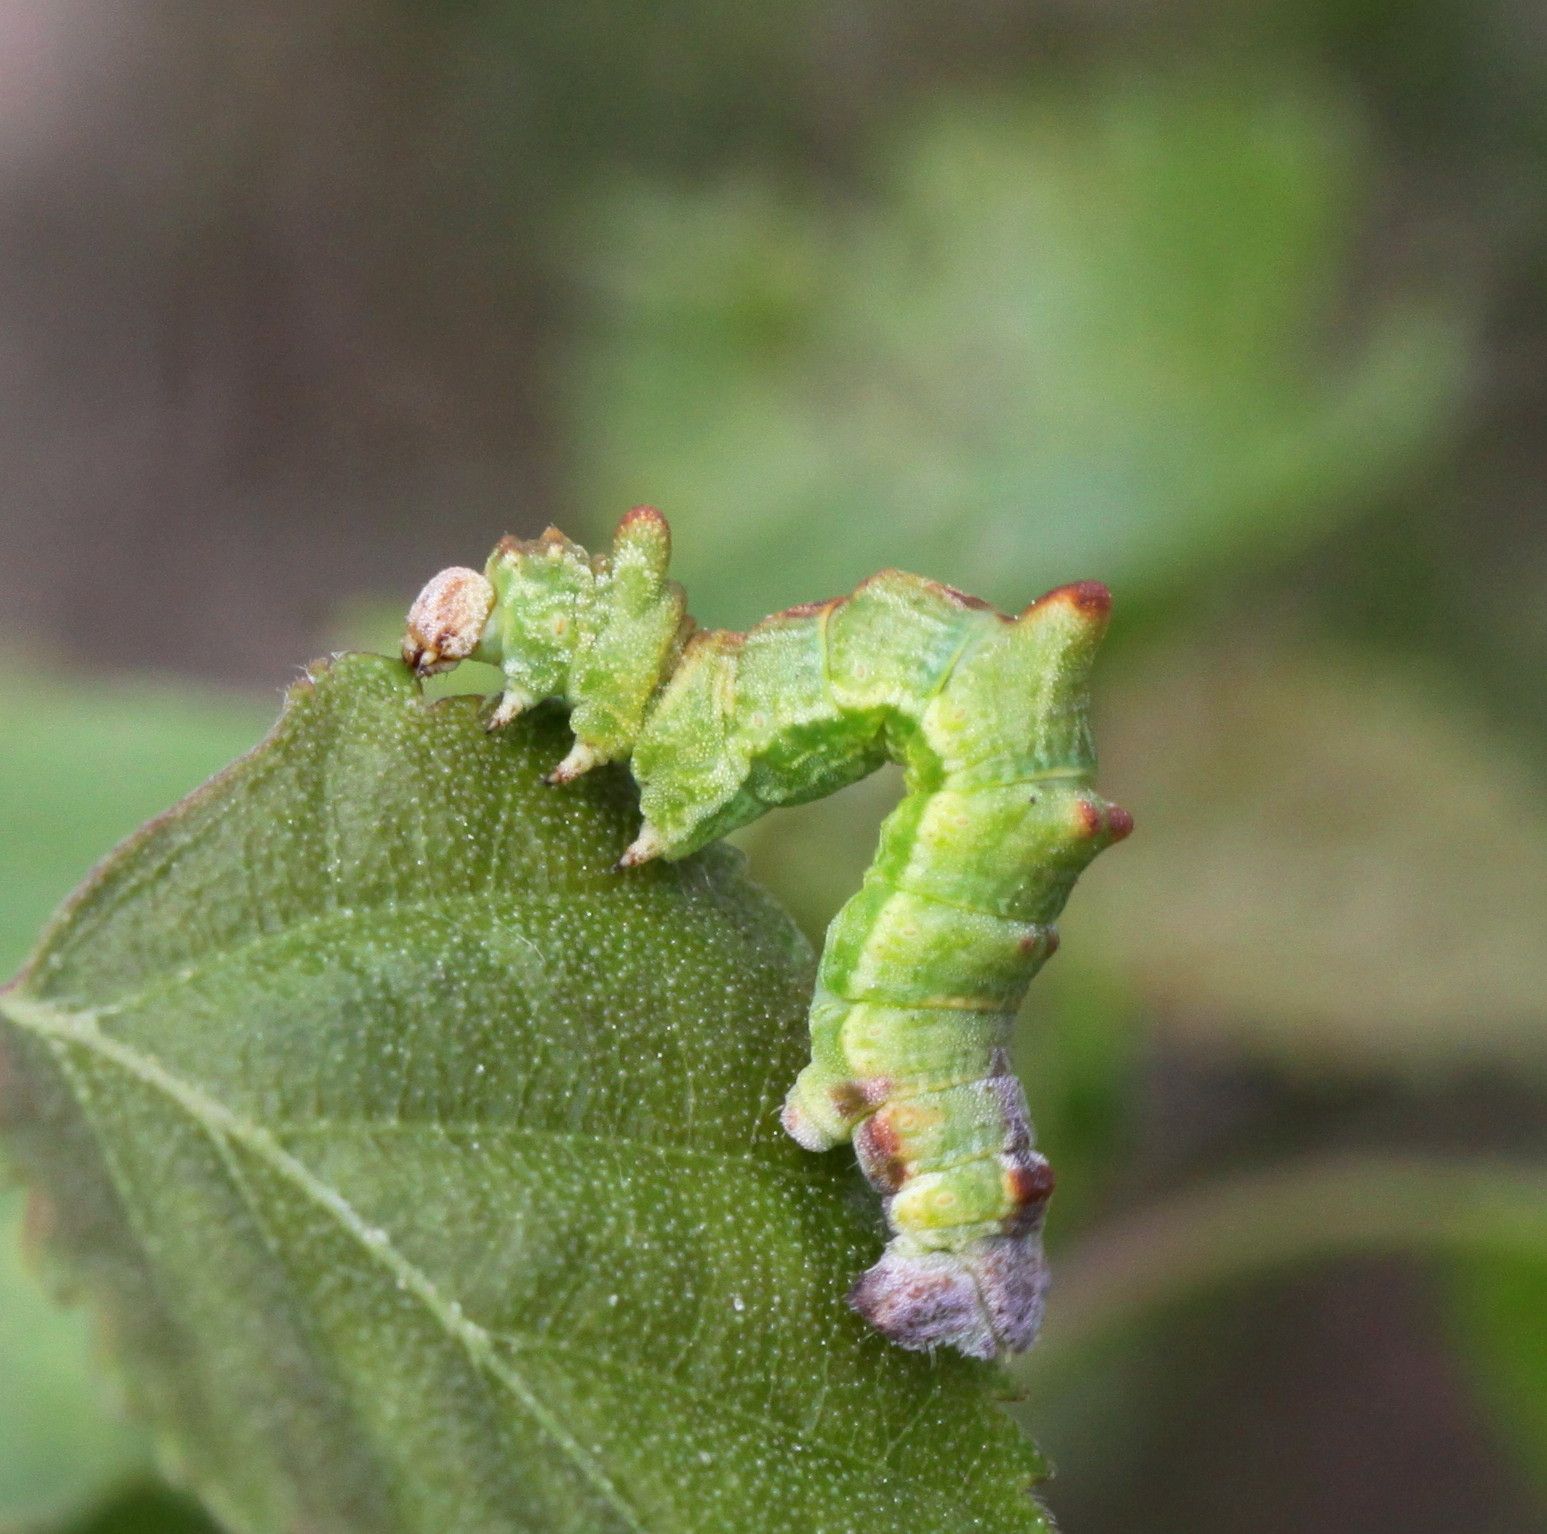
(1239, 309)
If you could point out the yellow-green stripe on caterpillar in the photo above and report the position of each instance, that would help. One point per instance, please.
(924, 969)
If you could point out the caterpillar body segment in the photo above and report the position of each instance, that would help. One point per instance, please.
(924, 969)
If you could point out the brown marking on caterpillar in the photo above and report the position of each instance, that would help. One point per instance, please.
(806, 610)
(855, 1099)
(636, 514)
(1095, 817)
(1087, 814)
(718, 639)
(1035, 939)
(1028, 1181)
(546, 542)
(952, 594)
(847, 1100)
(1091, 599)
(1027, 1186)
(881, 1134)
(878, 1148)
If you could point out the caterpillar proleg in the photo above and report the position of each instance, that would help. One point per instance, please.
(924, 969)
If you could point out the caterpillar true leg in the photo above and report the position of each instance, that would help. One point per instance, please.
(923, 970)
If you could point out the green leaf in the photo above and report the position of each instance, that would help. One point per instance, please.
(146, 1509)
(430, 1172)
(59, 1445)
(1500, 1306)
(1105, 335)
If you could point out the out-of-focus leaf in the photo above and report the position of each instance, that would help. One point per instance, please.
(1241, 1225)
(60, 1445)
(85, 761)
(1077, 1048)
(1335, 863)
(1107, 335)
(147, 1509)
(1501, 1309)
(431, 1173)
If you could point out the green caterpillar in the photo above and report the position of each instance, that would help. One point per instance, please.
(924, 969)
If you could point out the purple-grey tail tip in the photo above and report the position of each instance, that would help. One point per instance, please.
(984, 1300)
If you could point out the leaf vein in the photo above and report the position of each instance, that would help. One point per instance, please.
(217, 1119)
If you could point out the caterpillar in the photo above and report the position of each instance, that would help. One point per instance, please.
(923, 970)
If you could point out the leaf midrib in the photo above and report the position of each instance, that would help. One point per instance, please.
(214, 960)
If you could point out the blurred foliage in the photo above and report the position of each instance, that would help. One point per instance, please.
(1501, 1330)
(1303, 1209)
(86, 761)
(59, 1444)
(147, 1510)
(1343, 867)
(1148, 1287)
(1109, 332)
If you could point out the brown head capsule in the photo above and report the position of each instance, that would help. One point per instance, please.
(447, 620)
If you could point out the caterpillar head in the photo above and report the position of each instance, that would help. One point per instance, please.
(447, 620)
